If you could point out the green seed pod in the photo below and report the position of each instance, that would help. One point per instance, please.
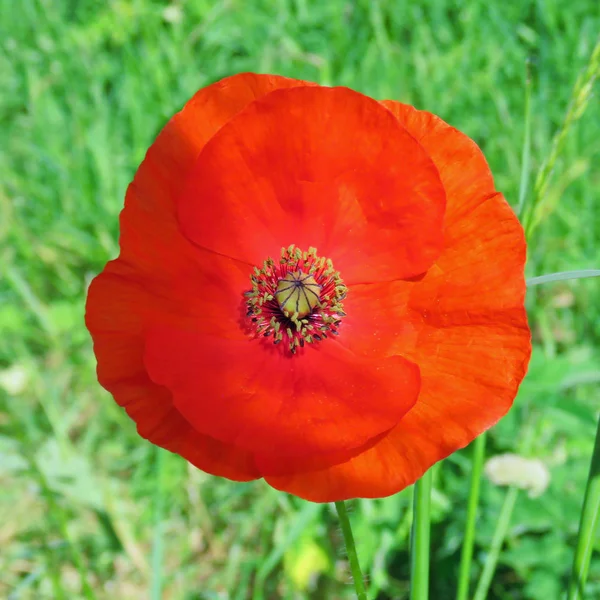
(298, 294)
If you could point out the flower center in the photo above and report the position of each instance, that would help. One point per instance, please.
(298, 293)
(297, 300)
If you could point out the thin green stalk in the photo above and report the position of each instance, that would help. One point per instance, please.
(580, 96)
(469, 539)
(158, 539)
(359, 584)
(563, 276)
(526, 152)
(491, 560)
(587, 526)
(503, 523)
(419, 551)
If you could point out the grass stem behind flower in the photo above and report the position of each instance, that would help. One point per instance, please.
(580, 96)
(420, 537)
(491, 560)
(158, 537)
(563, 276)
(526, 151)
(587, 526)
(359, 584)
(469, 537)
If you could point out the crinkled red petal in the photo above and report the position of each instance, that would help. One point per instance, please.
(463, 323)
(322, 167)
(324, 399)
(159, 275)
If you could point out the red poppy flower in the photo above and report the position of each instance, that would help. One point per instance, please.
(313, 287)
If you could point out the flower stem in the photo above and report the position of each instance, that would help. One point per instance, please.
(158, 537)
(469, 539)
(359, 584)
(503, 522)
(491, 560)
(419, 552)
(587, 526)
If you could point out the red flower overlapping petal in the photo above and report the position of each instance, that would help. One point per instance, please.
(435, 342)
(322, 167)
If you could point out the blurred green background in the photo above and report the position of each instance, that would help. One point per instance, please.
(88, 509)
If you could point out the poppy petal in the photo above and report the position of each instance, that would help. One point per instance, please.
(463, 323)
(116, 312)
(273, 464)
(462, 166)
(256, 163)
(321, 167)
(324, 399)
(149, 229)
(159, 273)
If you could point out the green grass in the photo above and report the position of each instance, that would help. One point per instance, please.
(89, 510)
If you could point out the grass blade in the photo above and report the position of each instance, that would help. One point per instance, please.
(587, 526)
(582, 91)
(503, 523)
(419, 551)
(469, 539)
(359, 584)
(489, 568)
(526, 152)
(158, 538)
(563, 276)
